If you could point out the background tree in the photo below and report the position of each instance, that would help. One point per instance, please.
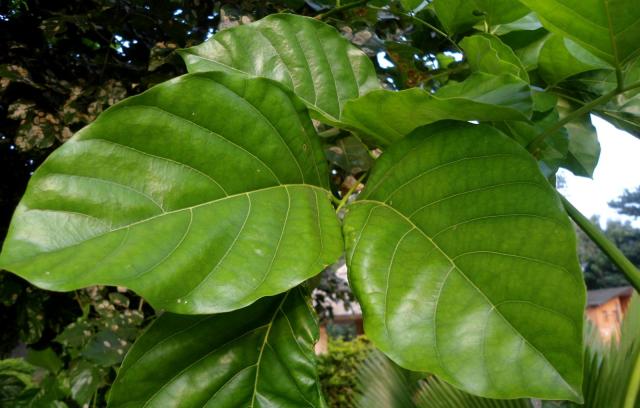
(628, 203)
(599, 271)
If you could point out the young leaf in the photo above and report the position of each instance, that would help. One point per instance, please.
(200, 205)
(307, 56)
(610, 29)
(260, 356)
(480, 97)
(465, 265)
(486, 53)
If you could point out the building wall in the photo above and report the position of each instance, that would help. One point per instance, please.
(607, 318)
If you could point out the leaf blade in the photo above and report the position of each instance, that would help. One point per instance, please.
(307, 56)
(191, 196)
(243, 357)
(480, 97)
(423, 254)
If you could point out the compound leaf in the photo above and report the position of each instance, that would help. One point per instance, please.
(465, 265)
(307, 56)
(200, 205)
(260, 356)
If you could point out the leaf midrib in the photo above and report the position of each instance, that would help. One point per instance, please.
(145, 220)
(473, 285)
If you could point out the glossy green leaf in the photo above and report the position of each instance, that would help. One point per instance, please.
(200, 205)
(530, 22)
(486, 53)
(481, 97)
(304, 54)
(501, 11)
(456, 16)
(561, 58)
(451, 249)
(260, 356)
(610, 29)
(527, 45)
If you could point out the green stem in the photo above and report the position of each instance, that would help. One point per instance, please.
(598, 237)
(533, 146)
(423, 22)
(586, 108)
(341, 8)
(350, 192)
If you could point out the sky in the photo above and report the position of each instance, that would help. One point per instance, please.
(617, 170)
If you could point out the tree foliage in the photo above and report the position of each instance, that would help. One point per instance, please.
(210, 194)
(628, 203)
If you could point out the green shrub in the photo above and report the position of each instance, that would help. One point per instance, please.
(337, 369)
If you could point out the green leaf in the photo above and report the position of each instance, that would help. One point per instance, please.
(561, 58)
(105, 349)
(526, 45)
(411, 4)
(198, 204)
(259, 356)
(584, 148)
(85, 380)
(456, 16)
(552, 152)
(481, 97)
(306, 55)
(530, 22)
(501, 11)
(451, 249)
(46, 359)
(623, 111)
(610, 29)
(350, 154)
(486, 53)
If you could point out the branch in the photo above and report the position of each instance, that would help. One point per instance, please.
(350, 192)
(572, 116)
(609, 249)
(341, 8)
(586, 108)
(420, 21)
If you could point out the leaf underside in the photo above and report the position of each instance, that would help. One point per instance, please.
(198, 204)
(448, 248)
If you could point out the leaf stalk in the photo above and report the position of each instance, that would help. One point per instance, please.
(345, 199)
(586, 108)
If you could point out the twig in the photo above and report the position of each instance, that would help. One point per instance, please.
(350, 192)
(423, 22)
(586, 108)
(341, 8)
